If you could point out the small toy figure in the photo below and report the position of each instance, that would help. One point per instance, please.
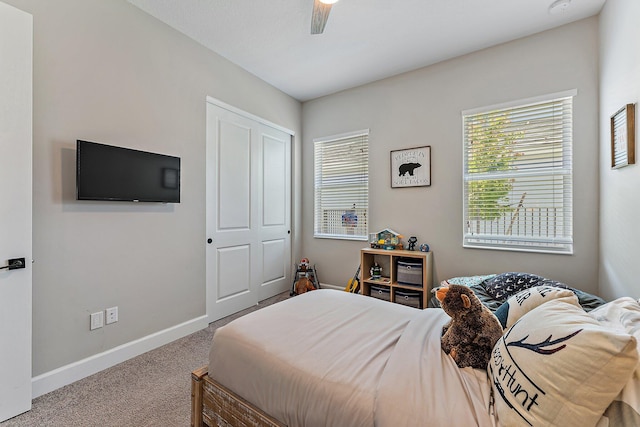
(412, 243)
(376, 271)
(424, 247)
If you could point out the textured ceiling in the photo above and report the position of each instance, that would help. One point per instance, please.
(364, 40)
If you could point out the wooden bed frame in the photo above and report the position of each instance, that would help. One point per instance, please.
(214, 405)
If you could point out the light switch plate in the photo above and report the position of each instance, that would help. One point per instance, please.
(97, 320)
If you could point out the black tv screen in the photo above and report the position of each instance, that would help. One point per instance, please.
(106, 172)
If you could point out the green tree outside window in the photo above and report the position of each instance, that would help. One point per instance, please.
(491, 150)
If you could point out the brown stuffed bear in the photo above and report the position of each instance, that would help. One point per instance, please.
(303, 285)
(473, 330)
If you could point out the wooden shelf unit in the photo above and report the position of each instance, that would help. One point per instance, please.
(388, 260)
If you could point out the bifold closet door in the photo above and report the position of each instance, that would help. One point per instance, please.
(248, 255)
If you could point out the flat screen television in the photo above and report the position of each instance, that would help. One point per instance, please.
(106, 172)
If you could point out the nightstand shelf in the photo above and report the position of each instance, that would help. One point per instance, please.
(388, 260)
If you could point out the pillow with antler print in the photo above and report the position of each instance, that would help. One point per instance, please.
(559, 366)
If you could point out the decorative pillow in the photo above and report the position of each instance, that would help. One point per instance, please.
(559, 366)
(623, 314)
(525, 301)
(485, 298)
(588, 301)
(505, 285)
(469, 280)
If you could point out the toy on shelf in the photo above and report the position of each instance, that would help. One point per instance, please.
(412, 243)
(305, 278)
(376, 271)
(424, 247)
(386, 239)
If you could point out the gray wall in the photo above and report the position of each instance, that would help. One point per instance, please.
(424, 108)
(619, 189)
(105, 71)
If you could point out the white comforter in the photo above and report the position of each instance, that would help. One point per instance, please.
(330, 358)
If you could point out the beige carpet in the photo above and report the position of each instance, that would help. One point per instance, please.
(153, 389)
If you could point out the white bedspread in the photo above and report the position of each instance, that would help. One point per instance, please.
(422, 386)
(330, 358)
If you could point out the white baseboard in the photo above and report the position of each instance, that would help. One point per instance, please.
(329, 286)
(52, 380)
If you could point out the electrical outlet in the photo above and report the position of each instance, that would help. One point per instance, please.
(97, 320)
(112, 315)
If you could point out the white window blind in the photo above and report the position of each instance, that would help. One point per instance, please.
(518, 192)
(342, 186)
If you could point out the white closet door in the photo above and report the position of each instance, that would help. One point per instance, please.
(248, 256)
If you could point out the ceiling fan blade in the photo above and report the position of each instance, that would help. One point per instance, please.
(319, 16)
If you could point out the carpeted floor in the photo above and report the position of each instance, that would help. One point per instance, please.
(153, 389)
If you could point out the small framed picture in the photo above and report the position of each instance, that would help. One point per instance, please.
(411, 167)
(623, 134)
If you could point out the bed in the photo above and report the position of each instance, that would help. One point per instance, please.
(330, 358)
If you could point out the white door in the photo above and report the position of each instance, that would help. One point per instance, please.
(15, 210)
(248, 256)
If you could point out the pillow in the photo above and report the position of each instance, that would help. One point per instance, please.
(525, 301)
(559, 366)
(486, 299)
(588, 301)
(623, 314)
(469, 280)
(505, 285)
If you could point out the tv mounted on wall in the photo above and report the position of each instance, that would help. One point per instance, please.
(106, 172)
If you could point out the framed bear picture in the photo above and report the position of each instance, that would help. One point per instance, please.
(411, 167)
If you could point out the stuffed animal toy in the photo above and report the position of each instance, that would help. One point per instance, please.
(303, 285)
(473, 330)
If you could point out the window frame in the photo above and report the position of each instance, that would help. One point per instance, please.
(317, 226)
(528, 243)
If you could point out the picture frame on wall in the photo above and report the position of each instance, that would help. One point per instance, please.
(623, 144)
(411, 167)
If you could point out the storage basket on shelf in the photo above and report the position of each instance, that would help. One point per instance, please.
(410, 272)
(409, 297)
(381, 292)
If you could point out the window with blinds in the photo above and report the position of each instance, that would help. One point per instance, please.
(342, 186)
(518, 192)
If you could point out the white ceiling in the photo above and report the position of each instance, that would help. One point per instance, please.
(364, 40)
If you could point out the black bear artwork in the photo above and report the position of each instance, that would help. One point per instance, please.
(405, 168)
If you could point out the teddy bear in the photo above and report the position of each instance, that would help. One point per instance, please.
(473, 330)
(303, 285)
